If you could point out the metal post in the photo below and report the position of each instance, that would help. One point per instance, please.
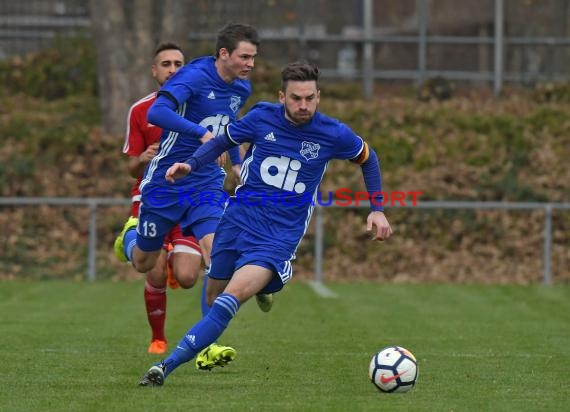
(319, 239)
(499, 47)
(547, 278)
(422, 14)
(368, 49)
(92, 247)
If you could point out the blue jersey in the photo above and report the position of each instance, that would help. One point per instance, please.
(283, 169)
(206, 100)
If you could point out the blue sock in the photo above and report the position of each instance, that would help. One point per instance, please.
(203, 302)
(129, 242)
(203, 333)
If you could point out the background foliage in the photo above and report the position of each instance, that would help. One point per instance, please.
(467, 147)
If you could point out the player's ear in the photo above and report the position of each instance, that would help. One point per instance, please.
(281, 96)
(223, 53)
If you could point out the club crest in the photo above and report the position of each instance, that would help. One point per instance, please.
(310, 150)
(235, 103)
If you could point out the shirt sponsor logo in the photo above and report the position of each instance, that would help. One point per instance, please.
(281, 172)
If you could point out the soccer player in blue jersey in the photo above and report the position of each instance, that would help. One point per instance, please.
(193, 107)
(291, 145)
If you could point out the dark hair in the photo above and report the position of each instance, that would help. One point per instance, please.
(231, 34)
(167, 46)
(299, 71)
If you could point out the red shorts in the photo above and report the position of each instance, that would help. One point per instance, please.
(180, 243)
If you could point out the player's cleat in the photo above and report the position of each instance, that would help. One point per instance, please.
(264, 301)
(119, 241)
(154, 376)
(170, 278)
(215, 355)
(157, 347)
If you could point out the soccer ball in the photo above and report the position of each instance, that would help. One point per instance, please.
(393, 369)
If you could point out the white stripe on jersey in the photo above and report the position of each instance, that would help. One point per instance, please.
(244, 173)
(144, 99)
(229, 137)
(164, 150)
(311, 208)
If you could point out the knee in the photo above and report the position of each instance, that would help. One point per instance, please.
(186, 269)
(141, 266)
(143, 263)
(186, 279)
(156, 277)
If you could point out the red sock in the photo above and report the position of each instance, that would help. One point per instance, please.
(155, 302)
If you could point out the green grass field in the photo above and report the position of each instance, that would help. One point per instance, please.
(81, 346)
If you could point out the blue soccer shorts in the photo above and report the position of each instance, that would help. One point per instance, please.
(235, 247)
(198, 214)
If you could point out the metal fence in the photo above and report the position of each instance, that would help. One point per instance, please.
(489, 41)
(95, 203)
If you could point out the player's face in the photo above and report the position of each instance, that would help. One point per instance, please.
(301, 100)
(166, 63)
(238, 64)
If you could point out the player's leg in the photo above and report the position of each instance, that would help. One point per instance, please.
(170, 278)
(245, 283)
(186, 258)
(206, 247)
(155, 304)
(154, 288)
(141, 241)
(215, 354)
(201, 221)
(143, 244)
(127, 248)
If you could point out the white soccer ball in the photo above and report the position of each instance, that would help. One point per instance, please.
(393, 369)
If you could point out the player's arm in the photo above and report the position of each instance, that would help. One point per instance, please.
(137, 164)
(235, 157)
(205, 154)
(134, 146)
(163, 113)
(372, 175)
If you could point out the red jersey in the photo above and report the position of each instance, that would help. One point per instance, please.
(140, 134)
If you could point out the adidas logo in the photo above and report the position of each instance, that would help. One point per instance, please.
(211, 95)
(270, 137)
(191, 339)
(156, 312)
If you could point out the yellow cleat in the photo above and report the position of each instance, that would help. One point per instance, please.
(215, 355)
(119, 241)
(264, 301)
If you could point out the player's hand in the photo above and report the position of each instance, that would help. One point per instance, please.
(237, 171)
(149, 153)
(177, 171)
(221, 161)
(383, 229)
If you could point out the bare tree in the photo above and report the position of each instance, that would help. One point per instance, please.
(173, 25)
(123, 34)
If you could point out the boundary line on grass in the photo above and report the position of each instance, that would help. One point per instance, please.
(320, 289)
